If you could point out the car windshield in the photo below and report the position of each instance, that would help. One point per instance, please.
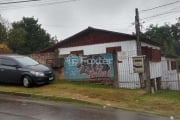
(26, 61)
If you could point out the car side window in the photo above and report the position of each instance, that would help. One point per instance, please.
(8, 62)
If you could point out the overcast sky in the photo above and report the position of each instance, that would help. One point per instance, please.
(66, 19)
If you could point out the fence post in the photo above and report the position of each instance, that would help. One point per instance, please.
(147, 75)
(115, 64)
(177, 69)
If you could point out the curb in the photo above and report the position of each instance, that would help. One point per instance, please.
(48, 97)
(16, 94)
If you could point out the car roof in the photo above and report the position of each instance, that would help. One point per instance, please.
(10, 56)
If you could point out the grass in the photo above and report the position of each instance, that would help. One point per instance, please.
(165, 103)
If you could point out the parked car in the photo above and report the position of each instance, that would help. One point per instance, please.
(24, 70)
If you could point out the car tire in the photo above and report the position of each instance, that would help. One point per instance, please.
(27, 81)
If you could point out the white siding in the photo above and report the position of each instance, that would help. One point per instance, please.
(169, 77)
(98, 48)
(155, 69)
(126, 75)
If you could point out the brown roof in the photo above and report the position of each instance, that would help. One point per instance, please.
(95, 36)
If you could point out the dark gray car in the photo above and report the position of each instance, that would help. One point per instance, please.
(23, 70)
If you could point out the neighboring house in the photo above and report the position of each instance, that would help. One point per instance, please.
(92, 41)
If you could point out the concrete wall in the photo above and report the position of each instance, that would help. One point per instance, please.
(50, 58)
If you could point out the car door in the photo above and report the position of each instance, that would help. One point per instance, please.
(10, 72)
(1, 72)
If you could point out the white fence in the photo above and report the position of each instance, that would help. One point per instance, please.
(162, 77)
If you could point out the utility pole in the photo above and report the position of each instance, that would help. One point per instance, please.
(137, 26)
(138, 42)
(146, 73)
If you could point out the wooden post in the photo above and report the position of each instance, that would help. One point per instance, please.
(115, 64)
(147, 75)
(138, 43)
(177, 68)
(137, 26)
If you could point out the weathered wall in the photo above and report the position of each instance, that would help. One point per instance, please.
(50, 58)
(91, 66)
(59, 73)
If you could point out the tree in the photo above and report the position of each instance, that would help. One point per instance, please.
(167, 35)
(4, 24)
(33, 38)
(175, 30)
(16, 39)
(3, 33)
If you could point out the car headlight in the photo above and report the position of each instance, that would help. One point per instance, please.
(38, 74)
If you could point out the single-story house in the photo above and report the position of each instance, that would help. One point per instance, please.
(94, 45)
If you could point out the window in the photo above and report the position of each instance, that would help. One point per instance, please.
(152, 54)
(113, 49)
(168, 65)
(173, 65)
(7, 62)
(156, 55)
(147, 51)
(79, 52)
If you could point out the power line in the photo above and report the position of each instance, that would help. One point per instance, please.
(38, 5)
(170, 11)
(160, 6)
(157, 15)
(15, 2)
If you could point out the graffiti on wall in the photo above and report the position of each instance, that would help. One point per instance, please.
(91, 66)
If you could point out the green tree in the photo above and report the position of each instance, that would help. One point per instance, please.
(163, 35)
(4, 25)
(175, 30)
(3, 33)
(16, 39)
(35, 39)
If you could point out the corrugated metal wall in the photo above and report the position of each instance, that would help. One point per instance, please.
(162, 76)
(169, 79)
(127, 77)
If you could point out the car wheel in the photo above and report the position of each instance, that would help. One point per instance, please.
(27, 82)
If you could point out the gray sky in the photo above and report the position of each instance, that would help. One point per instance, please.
(64, 20)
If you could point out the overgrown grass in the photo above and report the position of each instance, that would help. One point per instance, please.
(166, 103)
(83, 83)
(175, 95)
